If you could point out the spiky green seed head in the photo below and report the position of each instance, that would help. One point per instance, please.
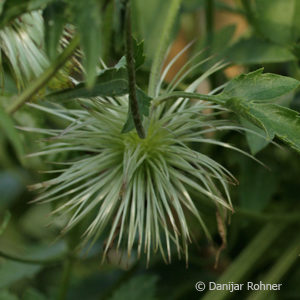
(135, 192)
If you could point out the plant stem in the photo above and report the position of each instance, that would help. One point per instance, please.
(267, 217)
(245, 263)
(279, 269)
(209, 19)
(41, 81)
(250, 16)
(31, 261)
(66, 276)
(133, 103)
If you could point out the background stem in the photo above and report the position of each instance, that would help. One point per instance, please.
(31, 261)
(66, 276)
(209, 20)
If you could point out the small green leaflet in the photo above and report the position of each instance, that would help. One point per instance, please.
(139, 55)
(110, 82)
(256, 141)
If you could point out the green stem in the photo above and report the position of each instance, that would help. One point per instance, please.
(65, 279)
(31, 261)
(267, 217)
(250, 16)
(278, 270)
(134, 108)
(248, 11)
(209, 19)
(245, 263)
(228, 8)
(41, 81)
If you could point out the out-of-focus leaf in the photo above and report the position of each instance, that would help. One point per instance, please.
(139, 287)
(257, 185)
(35, 220)
(163, 39)
(108, 30)
(6, 295)
(110, 82)
(7, 126)
(1, 6)
(54, 20)
(11, 271)
(192, 5)
(257, 51)
(278, 20)
(256, 142)
(258, 86)
(143, 104)
(33, 294)
(11, 187)
(87, 18)
(5, 221)
(217, 48)
(13, 8)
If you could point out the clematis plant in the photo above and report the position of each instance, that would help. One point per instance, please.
(131, 184)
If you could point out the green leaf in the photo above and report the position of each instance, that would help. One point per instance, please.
(87, 18)
(276, 120)
(257, 185)
(144, 104)
(258, 86)
(8, 128)
(246, 95)
(11, 271)
(54, 21)
(139, 287)
(4, 223)
(256, 142)
(7, 295)
(257, 51)
(278, 20)
(218, 47)
(111, 82)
